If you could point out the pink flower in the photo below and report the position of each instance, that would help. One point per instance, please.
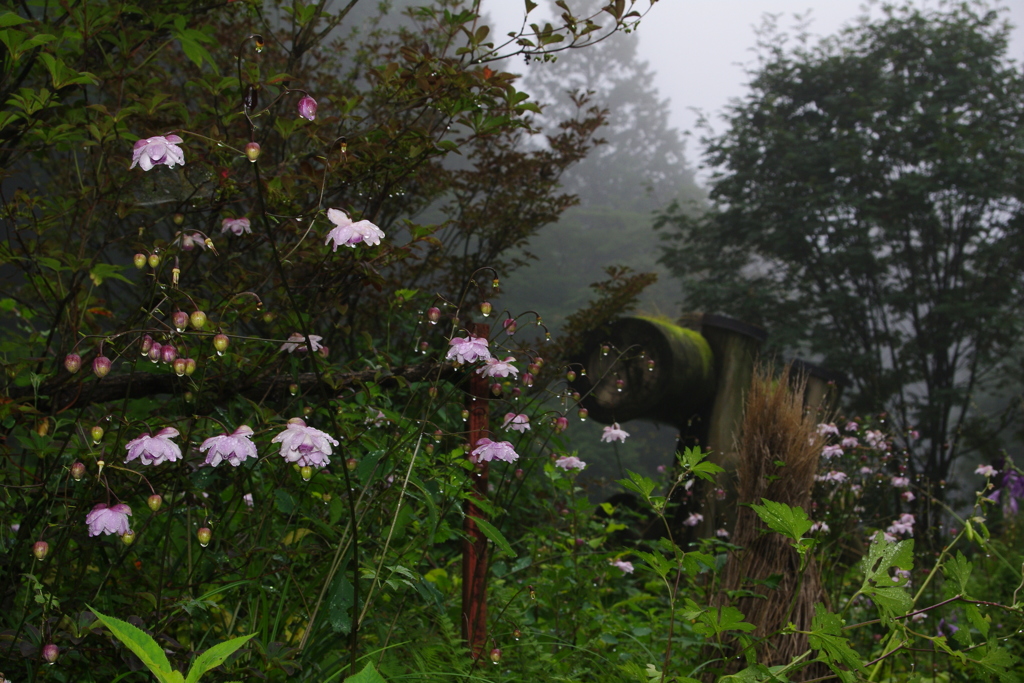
(499, 368)
(819, 526)
(613, 433)
(626, 567)
(914, 434)
(561, 423)
(297, 342)
(234, 448)
(900, 482)
(468, 350)
(236, 225)
(509, 326)
(349, 234)
(519, 423)
(109, 520)
(722, 533)
(850, 442)
(986, 471)
(876, 440)
(829, 452)
(570, 462)
(487, 450)
(379, 419)
(866, 470)
(306, 446)
(307, 108)
(694, 519)
(153, 450)
(248, 499)
(826, 429)
(908, 496)
(903, 525)
(190, 242)
(833, 476)
(157, 150)
(852, 426)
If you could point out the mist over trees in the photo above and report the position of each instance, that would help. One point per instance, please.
(640, 166)
(868, 212)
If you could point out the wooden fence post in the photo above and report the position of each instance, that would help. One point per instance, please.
(474, 547)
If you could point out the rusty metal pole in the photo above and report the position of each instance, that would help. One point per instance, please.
(474, 547)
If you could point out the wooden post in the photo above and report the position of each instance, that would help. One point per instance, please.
(474, 547)
(735, 345)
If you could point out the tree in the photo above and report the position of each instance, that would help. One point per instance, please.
(867, 211)
(181, 181)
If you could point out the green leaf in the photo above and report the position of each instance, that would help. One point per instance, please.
(1000, 664)
(215, 656)
(957, 571)
(367, 675)
(658, 562)
(790, 522)
(141, 644)
(637, 483)
(827, 637)
(102, 271)
(890, 597)
(710, 622)
(339, 604)
(492, 533)
(11, 19)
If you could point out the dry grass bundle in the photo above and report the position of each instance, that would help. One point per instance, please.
(778, 450)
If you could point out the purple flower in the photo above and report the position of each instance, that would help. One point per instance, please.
(614, 433)
(850, 442)
(297, 342)
(829, 452)
(304, 445)
(626, 567)
(468, 350)
(947, 628)
(487, 450)
(694, 519)
(349, 234)
(109, 520)
(519, 423)
(307, 108)
(236, 225)
(1013, 485)
(150, 152)
(234, 448)
(570, 462)
(499, 368)
(153, 450)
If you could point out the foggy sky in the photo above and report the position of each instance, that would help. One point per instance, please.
(698, 47)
